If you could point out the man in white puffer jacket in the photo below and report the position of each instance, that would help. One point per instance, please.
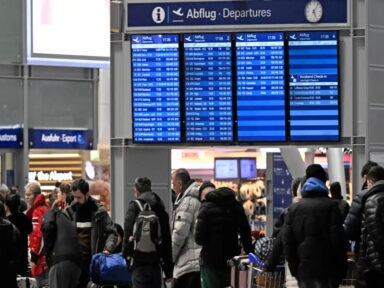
(185, 251)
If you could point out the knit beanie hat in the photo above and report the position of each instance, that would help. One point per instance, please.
(205, 185)
(316, 171)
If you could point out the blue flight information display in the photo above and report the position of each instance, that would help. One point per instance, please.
(314, 86)
(208, 87)
(260, 86)
(156, 88)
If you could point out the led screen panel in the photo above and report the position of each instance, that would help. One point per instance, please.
(226, 168)
(155, 88)
(260, 87)
(314, 86)
(208, 87)
(248, 168)
(65, 33)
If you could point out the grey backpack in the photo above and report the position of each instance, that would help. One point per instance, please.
(146, 235)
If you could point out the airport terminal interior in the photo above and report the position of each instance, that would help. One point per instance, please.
(243, 94)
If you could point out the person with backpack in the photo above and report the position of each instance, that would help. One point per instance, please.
(185, 251)
(147, 250)
(95, 229)
(220, 221)
(371, 257)
(24, 225)
(37, 207)
(9, 246)
(62, 250)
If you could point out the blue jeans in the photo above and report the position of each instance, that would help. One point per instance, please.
(146, 276)
(42, 279)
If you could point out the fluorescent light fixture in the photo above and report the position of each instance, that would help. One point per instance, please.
(62, 155)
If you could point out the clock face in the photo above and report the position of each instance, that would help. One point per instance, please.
(313, 11)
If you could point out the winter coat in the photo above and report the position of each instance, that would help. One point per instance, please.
(165, 249)
(313, 236)
(220, 220)
(60, 238)
(185, 251)
(36, 244)
(103, 232)
(371, 254)
(352, 224)
(24, 225)
(343, 206)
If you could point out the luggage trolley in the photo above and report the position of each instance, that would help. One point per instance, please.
(247, 272)
(257, 278)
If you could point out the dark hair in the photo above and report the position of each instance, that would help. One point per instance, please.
(206, 185)
(335, 190)
(375, 174)
(366, 167)
(13, 203)
(2, 210)
(142, 184)
(57, 184)
(65, 188)
(182, 174)
(80, 184)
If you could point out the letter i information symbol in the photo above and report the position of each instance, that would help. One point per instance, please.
(158, 15)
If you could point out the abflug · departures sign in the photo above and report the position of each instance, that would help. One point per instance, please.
(211, 13)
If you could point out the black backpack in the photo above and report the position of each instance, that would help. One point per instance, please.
(8, 246)
(146, 235)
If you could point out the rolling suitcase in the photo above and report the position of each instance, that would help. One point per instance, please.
(239, 271)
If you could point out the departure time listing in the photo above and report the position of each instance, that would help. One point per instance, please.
(156, 88)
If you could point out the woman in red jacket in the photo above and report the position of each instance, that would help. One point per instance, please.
(37, 208)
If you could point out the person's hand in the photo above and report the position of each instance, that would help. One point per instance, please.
(106, 252)
(168, 282)
(32, 264)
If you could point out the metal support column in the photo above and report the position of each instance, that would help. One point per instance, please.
(336, 171)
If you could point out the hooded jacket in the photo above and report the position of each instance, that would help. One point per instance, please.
(60, 238)
(185, 251)
(372, 230)
(157, 205)
(220, 221)
(313, 236)
(36, 244)
(103, 232)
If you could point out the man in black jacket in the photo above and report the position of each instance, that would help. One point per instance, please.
(62, 250)
(371, 258)
(220, 220)
(148, 275)
(352, 223)
(313, 235)
(95, 228)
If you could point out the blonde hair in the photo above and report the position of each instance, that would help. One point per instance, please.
(34, 187)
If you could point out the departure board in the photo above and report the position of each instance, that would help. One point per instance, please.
(208, 87)
(314, 86)
(260, 87)
(156, 88)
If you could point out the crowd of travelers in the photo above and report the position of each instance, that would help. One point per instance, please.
(53, 240)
